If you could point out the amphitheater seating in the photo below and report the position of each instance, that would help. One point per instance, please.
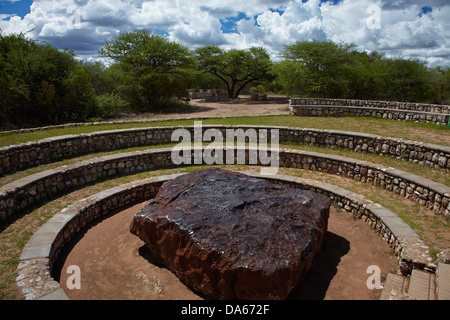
(42, 250)
(416, 112)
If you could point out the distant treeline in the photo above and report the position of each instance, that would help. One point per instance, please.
(41, 85)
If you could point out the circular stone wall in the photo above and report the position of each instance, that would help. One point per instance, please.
(39, 259)
(116, 264)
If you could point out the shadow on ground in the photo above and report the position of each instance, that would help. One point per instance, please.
(317, 280)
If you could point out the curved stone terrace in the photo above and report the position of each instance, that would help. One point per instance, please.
(43, 247)
(41, 252)
(32, 154)
(415, 112)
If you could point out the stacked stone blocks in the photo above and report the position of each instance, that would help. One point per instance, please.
(415, 112)
(32, 154)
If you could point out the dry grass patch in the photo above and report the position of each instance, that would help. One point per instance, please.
(428, 133)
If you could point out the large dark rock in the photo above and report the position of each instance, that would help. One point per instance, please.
(230, 236)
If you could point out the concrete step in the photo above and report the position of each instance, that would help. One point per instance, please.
(422, 285)
(395, 288)
(443, 281)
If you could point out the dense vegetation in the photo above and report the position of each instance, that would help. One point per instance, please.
(40, 85)
(326, 69)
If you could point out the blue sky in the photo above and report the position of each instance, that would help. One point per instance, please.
(20, 7)
(415, 29)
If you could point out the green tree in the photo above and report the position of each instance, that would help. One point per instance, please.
(235, 68)
(109, 84)
(443, 86)
(155, 67)
(289, 77)
(34, 84)
(330, 70)
(404, 80)
(324, 68)
(79, 97)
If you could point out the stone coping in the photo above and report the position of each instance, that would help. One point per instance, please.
(425, 107)
(99, 123)
(38, 257)
(31, 154)
(386, 113)
(20, 194)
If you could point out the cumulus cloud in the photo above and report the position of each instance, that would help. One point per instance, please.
(411, 28)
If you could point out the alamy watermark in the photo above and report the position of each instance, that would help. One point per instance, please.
(74, 21)
(374, 20)
(374, 280)
(73, 281)
(231, 149)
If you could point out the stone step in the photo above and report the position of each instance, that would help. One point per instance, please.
(395, 287)
(422, 285)
(443, 281)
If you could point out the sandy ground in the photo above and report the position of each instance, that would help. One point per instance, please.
(115, 264)
(243, 107)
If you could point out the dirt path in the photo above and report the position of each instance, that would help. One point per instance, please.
(243, 107)
(114, 264)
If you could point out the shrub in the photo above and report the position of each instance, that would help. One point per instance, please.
(110, 105)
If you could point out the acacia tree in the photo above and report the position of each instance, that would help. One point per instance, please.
(154, 65)
(325, 67)
(235, 68)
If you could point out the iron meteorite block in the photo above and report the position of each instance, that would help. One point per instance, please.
(230, 236)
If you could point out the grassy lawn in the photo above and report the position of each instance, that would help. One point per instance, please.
(427, 133)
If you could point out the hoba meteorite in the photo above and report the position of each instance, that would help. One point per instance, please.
(227, 235)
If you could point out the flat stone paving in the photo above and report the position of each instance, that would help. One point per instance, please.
(422, 285)
(443, 281)
(394, 287)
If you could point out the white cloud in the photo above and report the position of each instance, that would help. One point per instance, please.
(85, 25)
(203, 30)
(6, 16)
(157, 14)
(13, 24)
(105, 13)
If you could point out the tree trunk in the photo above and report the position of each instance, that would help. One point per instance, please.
(242, 87)
(231, 90)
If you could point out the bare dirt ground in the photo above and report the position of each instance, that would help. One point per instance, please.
(276, 105)
(115, 264)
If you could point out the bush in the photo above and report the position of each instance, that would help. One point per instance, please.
(109, 105)
(40, 85)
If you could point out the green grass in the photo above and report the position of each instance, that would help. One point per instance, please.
(430, 173)
(427, 133)
(420, 170)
